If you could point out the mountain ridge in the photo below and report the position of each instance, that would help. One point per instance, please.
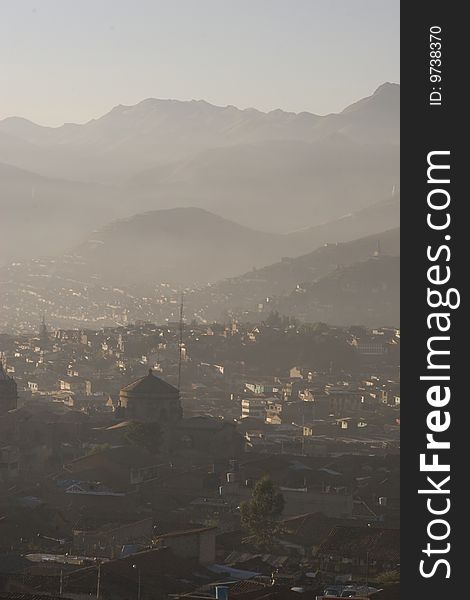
(382, 89)
(258, 291)
(274, 171)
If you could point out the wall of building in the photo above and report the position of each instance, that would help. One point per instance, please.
(207, 547)
(199, 546)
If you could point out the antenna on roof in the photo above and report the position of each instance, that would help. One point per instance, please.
(180, 345)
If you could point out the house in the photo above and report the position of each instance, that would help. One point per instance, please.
(254, 408)
(316, 427)
(292, 389)
(343, 400)
(370, 346)
(196, 544)
(107, 539)
(390, 394)
(295, 373)
(274, 410)
(263, 387)
(77, 385)
(357, 550)
(118, 468)
(345, 423)
(33, 386)
(303, 534)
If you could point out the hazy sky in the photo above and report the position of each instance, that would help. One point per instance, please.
(72, 60)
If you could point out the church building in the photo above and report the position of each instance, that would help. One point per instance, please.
(150, 400)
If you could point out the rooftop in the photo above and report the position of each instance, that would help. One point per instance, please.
(150, 384)
(380, 544)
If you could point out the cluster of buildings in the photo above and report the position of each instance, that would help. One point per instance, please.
(29, 287)
(126, 453)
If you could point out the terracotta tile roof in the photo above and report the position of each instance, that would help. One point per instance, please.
(356, 542)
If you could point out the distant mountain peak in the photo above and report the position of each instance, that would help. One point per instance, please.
(385, 98)
(20, 126)
(15, 119)
(387, 87)
(201, 102)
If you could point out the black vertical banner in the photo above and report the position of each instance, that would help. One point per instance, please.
(434, 231)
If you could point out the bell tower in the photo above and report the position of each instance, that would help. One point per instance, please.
(43, 334)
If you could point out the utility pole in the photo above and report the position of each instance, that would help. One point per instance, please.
(180, 349)
(139, 584)
(367, 570)
(98, 582)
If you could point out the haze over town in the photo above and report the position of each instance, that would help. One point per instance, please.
(199, 300)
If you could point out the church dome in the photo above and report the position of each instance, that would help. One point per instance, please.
(150, 384)
(150, 399)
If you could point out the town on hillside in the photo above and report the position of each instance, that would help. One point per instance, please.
(200, 461)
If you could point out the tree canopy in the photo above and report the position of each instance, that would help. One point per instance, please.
(261, 515)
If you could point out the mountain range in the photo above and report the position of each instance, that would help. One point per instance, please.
(363, 293)
(309, 286)
(128, 139)
(275, 171)
(45, 216)
(351, 282)
(192, 247)
(191, 194)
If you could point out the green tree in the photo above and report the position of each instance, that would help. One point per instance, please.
(261, 515)
(145, 435)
